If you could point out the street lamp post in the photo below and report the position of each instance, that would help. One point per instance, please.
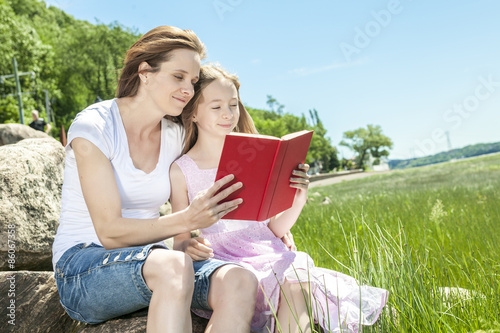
(18, 92)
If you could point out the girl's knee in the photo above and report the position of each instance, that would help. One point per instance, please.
(295, 289)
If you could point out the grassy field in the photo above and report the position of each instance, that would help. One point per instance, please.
(414, 232)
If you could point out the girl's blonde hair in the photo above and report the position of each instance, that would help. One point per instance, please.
(208, 74)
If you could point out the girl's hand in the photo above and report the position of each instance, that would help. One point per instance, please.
(288, 240)
(300, 181)
(204, 210)
(198, 249)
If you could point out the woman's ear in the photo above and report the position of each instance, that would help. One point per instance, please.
(143, 69)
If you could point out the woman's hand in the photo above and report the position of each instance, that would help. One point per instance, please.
(300, 181)
(198, 249)
(204, 210)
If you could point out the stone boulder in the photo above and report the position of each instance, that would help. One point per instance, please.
(30, 301)
(133, 323)
(31, 176)
(12, 133)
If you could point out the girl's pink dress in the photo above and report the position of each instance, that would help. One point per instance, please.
(339, 303)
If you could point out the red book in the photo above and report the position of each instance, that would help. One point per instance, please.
(264, 165)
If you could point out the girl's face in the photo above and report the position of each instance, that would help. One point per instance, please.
(218, 112)
(171, 88)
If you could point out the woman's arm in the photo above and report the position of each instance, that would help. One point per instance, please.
(197, 248)
(283, 222)
(102, 197)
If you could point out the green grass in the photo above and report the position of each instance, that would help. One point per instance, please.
(411, 232)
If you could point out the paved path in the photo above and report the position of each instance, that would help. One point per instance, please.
(338, 179)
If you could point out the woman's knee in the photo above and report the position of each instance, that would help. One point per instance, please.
(168, 269)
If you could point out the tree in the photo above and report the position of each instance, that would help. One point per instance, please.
(73, 60)
(272, 103)
(366, 141)
(325, 152)
(272, 123)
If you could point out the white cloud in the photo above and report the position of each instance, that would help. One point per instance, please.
(305, 71)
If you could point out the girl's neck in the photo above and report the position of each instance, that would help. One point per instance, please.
(206, 151)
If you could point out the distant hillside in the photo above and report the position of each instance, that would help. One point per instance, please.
(468, 151)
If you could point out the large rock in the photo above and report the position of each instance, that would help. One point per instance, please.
(31, 175)
(134, 323)
(30, 303)
(12, 133)
(37, 309)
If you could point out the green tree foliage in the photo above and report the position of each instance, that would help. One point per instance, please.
(75, 61)
(365, 141)
(274, 105)
(20, 40)
(278, 123)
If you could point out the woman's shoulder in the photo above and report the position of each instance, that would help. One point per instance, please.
(97, 114)
(96, 124)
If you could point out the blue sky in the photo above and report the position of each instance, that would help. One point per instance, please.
(419, 69)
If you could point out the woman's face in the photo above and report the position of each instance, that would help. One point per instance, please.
(218, 112)
(171, 87)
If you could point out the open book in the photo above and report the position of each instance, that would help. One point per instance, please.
(264, 165)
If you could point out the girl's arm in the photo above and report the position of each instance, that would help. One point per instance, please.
(197, 248)
(283, 222)
(102, 197)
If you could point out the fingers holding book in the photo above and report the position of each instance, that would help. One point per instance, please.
(300, 178)
(205, 209)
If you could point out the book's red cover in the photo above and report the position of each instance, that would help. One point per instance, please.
(293, 150)
(264, 165)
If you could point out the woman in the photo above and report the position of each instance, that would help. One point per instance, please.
(107, 257)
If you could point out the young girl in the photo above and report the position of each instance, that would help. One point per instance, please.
(289, 281)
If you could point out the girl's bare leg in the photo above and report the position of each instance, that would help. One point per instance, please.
(293, 315)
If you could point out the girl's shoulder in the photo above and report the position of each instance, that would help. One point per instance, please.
(186, 164)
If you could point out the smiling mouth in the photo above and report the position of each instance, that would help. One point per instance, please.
(180, 100)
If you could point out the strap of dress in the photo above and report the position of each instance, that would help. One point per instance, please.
(188, 168)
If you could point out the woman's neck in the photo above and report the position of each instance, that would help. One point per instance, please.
(137, 117)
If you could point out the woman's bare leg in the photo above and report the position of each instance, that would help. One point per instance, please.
(170, 275)
(232, 295)
(293, 315)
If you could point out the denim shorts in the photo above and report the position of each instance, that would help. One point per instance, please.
(96, 284)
